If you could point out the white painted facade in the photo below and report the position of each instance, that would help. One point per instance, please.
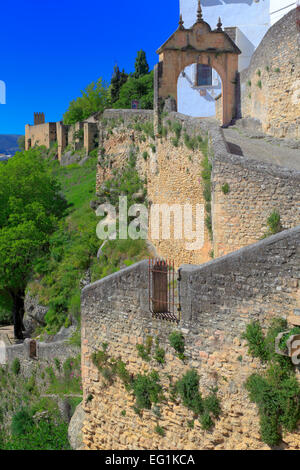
(251, 18)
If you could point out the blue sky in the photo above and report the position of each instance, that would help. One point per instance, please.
(51, 49)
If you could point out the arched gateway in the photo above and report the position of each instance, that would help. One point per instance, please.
(202, 46)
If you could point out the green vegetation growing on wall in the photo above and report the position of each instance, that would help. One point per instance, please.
(30, 416)
(276, 391)
(176, 339)
(206, 178)
(148, 390)
(274, 224)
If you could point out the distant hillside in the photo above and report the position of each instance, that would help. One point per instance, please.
(9, 144)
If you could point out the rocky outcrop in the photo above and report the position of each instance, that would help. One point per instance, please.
(75, 427)
(34, 313)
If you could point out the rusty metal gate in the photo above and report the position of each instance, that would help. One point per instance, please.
(32, 349)
(162, 295)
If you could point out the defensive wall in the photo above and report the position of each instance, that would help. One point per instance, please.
(244, 192)
(270, 86)
(217, 300)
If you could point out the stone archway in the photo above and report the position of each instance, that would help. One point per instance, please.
(201, 45)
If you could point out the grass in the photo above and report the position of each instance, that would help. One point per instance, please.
(74, 245)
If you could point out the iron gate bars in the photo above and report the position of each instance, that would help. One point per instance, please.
(161, 276)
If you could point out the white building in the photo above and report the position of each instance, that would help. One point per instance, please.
(246, 21)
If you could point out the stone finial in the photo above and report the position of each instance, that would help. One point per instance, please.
(181, 22)
(199, 13)
(219, 25)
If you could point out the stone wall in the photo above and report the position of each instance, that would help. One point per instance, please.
(270, 87)
(173, 176)
(255, 191)
(46, 353)
(41, 134)
(217, 301)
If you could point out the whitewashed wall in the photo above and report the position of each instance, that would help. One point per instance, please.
(189, 100)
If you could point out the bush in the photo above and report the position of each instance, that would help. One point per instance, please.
(16, 366)
(277, 391)
(256, 341)
(188, 389)
(176, 339)
(147, 390)
(22, 422)
(225, 188)
(274, 224)
(159, 430)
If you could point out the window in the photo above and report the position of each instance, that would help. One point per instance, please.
(204, 75)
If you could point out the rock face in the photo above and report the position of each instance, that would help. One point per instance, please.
(75, 427)
(34, 313)
(68, 158)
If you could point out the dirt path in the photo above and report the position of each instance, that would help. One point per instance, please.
(7, 334)
(261, 149)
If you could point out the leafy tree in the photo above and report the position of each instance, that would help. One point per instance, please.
(117, 81)
(141, 65)
(21, 142)
(30, 206)
(136, 89)
(94, 98)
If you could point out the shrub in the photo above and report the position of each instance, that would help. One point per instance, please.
(99, 359)
(177, 128)
(283, 341)
(147, 390)
(276, 392)
(145, 350)
(159, 430)
(256, 341)
(212, 404)
(225, 188)
(188, 389)
(22, 422)
(16, 366)
(176, 339)
(206, 421)
(259, 84)
(274, 222)
(159, 355)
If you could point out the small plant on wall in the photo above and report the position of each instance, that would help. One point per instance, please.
(225, 188)
(176, 339)
(274, 224)
(276, 390)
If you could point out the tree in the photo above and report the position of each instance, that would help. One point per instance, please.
(94, 98)
(21, 142)
(117, 81)
(30, 206)
(140, 89)
(141, 65)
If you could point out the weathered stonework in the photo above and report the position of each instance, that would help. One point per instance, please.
(270, 87)
(173, 176)
(255, 191)
(259, 282)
